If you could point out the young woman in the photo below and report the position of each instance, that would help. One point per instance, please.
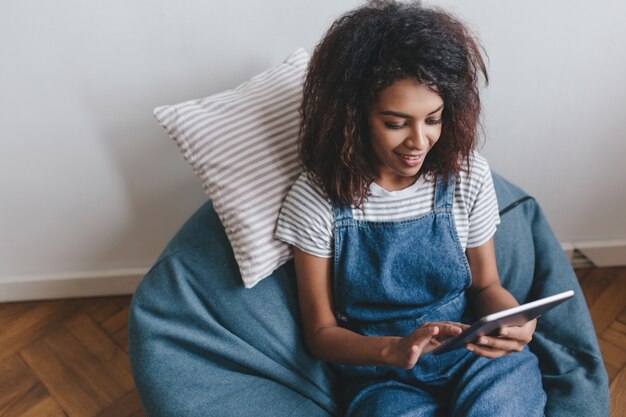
(392, 221)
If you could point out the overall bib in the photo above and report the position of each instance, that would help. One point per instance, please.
(391, 277)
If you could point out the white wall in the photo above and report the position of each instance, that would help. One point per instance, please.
(91, 184)
(554, 110)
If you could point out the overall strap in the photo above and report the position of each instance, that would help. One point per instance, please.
(444, 193)
(342, 212)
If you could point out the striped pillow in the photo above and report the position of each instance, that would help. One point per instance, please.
(242, 144)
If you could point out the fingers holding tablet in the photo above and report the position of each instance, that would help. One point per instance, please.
(522, 333)
(511, 339)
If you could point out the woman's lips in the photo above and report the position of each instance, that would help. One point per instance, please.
(410, 160)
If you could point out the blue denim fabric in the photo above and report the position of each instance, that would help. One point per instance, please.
(201, 344)
(531, 265)
(388, 279)
(496, 387)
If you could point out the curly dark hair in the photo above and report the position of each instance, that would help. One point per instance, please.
(365, 51)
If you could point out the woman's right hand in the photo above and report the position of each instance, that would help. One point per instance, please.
(403, 352)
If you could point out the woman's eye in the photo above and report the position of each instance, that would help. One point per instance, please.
(431, 122)
(394, 126)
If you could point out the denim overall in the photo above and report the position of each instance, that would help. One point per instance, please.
(391, 277)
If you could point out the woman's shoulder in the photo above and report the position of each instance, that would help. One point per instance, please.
(307, 185)
(307, 198)
(306, 218)
(474, 169)
(474, 180)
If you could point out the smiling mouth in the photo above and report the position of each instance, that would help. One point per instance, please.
(409, 157)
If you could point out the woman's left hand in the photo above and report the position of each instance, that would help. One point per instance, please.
(511, 339)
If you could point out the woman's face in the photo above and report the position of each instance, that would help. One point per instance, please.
(404, 123)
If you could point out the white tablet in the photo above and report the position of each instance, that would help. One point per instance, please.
(515, 316)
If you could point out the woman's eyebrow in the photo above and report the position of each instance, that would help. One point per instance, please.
(406, 116)
(436, 110)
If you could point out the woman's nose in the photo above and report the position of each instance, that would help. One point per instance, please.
(417, 138)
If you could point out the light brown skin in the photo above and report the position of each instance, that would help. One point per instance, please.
(394, 137)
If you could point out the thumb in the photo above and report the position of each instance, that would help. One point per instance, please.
(421, 337)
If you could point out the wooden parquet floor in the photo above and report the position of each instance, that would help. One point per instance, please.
(70, 357)
(605, 293)
(66, 358)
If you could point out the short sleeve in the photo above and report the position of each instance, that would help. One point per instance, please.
(484, 213)
(306, 219)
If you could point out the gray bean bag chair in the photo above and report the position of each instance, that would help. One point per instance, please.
(203, 345)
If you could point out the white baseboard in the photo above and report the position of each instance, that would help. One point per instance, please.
(70, 285)
(604, 254)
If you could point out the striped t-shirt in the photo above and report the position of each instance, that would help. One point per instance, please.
(306, 218)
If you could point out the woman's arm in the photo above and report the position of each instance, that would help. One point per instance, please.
(331, 343)
(487, 295)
